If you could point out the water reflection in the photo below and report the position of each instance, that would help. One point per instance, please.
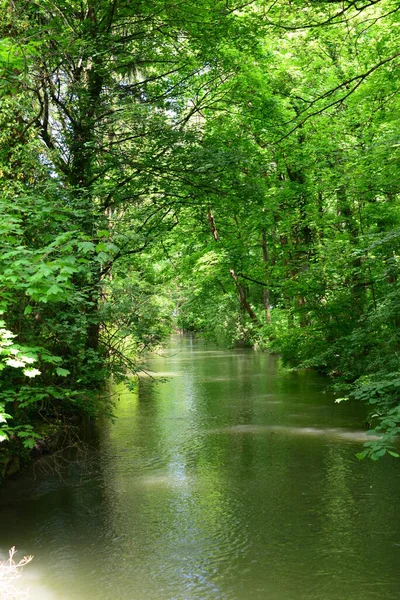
(331, 432)
(233, 480)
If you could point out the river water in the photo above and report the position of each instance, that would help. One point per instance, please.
(228, 478)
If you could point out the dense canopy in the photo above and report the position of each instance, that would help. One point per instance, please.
(223, 167)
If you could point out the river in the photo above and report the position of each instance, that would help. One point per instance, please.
(226, 478)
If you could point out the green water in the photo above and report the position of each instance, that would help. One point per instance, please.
(232, 479)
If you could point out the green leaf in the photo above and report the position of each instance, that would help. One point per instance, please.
(101, 247)
(62, 372)
(86, 247)
(381, 452)
(29, 443)
(55, 290)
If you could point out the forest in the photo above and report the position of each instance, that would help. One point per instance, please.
(223, 167)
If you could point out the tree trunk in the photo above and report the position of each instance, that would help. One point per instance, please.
(242, 299)
(267, 295)
(213, 227)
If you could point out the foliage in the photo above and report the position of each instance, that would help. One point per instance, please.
(303, 226)
(14, 356)
(227, 168)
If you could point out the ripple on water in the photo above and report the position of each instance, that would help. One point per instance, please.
(331, 433)
(209, 492)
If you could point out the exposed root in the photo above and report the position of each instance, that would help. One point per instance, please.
(72, 450)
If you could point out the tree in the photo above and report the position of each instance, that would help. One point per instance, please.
(97, 151)
(313, 118)
(243, 156)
